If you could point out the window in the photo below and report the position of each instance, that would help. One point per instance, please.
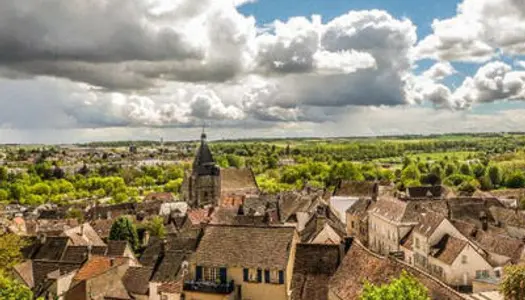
(497, 273)
(352, 225)
(416, 241)
(210, 274)
(253, 275)
(274, 276)
(463, 259)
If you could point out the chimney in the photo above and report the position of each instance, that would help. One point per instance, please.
(81, 233)
(163, 247)
(89, 249)
(484, 221)
(375, 191)
(111, 262)
(240, 211)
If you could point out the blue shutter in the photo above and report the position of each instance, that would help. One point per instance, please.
(198, 275)
(267, 276)
(259, 275)
(222, 275)
(245, 272)
(281, 277)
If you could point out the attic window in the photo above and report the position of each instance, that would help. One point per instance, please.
(463, 259)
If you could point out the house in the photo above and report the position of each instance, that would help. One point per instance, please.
(360, 265)
(440, 249)
(389, 220)
(168, 274)
(83, 235)
(513, 220)
(243, 261)
(323, 227)
(100, 278)
(357, 220)
(136, 282)
(237, 184)
(313, 267)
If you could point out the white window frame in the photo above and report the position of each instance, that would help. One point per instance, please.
(210, 274)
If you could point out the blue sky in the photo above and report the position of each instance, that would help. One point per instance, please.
(88, 71)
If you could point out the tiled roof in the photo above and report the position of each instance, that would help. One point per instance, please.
(116, 248)
(168, 269)
(53, 248)
(238, 180)
(173, 242)
(76, 254)
(199, 216)
(293, 202)
(428, 223)
(392, 209)
(102, 227)
(508, 217)
(355, 188)
(172, 287)
(257, 247)
(42, 267)
(448, 249)
(136, 280)
(499, 244)
(360, 265)
(98, 265)
(314, 265)
(159, 197)
(84, 235)
(359, 207)
(25, 271)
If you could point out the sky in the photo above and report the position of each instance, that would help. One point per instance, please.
(101, 70)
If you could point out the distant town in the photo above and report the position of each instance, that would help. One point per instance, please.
(430, 217)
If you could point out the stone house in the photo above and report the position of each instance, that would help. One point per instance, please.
(357, 220)
(242, 262)
(389, 220)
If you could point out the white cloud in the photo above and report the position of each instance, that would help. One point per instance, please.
(439, 71)
(479, 29)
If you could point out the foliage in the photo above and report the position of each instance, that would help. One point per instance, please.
(405, 287)
(515, 180)
(11, 289)
(155, 227)
(124, 230)
(10, 255)
(513, 284)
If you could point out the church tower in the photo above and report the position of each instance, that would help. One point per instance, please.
(202, 186)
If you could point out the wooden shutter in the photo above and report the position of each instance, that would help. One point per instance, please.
(222, 275)
(259, 275)
(281, 277)
(245, 273)
(198, 273)
(267, 276)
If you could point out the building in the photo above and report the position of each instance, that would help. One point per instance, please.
(207, 184)
(245, 262)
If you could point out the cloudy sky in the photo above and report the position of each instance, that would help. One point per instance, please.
(85, 70)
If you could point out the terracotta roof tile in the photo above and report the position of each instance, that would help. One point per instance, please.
(98, 265)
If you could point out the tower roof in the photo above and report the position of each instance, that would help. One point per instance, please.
(204, 164)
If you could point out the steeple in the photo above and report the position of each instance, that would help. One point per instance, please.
(204, 164)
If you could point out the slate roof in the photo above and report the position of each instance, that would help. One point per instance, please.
(291, 203)
(52, 249)
(314, 265)
(470, 209)
(246, 246)
(499, 244)
(392, 209)
(360, 207)
(311, 230)
(173, 242)
(360, 264)
(449, 248)
(204, 164)
(238, 180)
(136, 280)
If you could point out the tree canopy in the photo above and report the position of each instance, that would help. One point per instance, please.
(406, 287)
(124, 230)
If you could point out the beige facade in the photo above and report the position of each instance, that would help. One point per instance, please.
(385, 234)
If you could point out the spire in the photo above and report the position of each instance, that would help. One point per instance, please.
(204, 162)
(203, 134)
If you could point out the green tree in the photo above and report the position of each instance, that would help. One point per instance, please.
(3, 174)
(405, 287)
(515, 180)
(124, 230)
(10, 255)
(411, 172)
(173, 186)
(156, 228)
(513, 284)
(465, 169)
(11, 289)
(495, 175)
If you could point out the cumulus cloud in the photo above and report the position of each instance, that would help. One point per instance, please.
(477, 32)
(439, 71)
